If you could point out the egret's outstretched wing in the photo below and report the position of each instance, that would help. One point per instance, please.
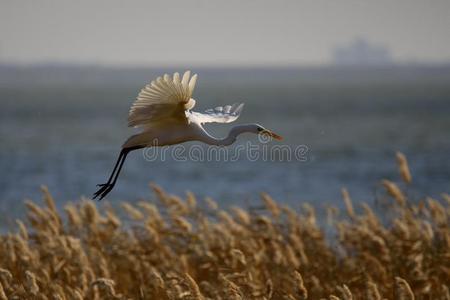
(164, 98)
(220, 114)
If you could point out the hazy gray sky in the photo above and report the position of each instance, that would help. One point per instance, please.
(218, 32)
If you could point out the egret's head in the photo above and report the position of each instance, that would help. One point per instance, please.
(258, 129)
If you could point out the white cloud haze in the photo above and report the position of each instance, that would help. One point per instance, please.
(207, 32)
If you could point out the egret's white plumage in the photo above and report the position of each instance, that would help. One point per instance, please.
(168, 99)
(163, 109)
(220, 114)
(163, 99)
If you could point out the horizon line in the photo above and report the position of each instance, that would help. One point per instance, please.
(223, 65)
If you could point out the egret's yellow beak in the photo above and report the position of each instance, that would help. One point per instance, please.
(273, 135)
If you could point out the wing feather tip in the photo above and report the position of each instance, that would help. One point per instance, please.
(239, 109)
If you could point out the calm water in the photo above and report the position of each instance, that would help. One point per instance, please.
(67, 136)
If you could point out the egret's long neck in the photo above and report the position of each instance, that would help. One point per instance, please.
(230, 139)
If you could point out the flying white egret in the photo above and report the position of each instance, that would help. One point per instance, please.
(163, 110)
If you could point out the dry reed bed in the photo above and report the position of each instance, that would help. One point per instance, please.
(173, 249)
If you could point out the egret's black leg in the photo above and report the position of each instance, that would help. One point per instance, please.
(110, 186)
(104, 186)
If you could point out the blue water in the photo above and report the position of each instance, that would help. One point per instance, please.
(67, 135)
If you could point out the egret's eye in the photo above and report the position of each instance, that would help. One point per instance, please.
(260, 129)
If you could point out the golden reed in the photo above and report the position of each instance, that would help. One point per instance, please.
(171, 248)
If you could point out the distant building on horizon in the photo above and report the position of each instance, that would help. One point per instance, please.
(362, 53)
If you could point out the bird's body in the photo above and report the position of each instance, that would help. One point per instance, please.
(163, 110)
(164, 135)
